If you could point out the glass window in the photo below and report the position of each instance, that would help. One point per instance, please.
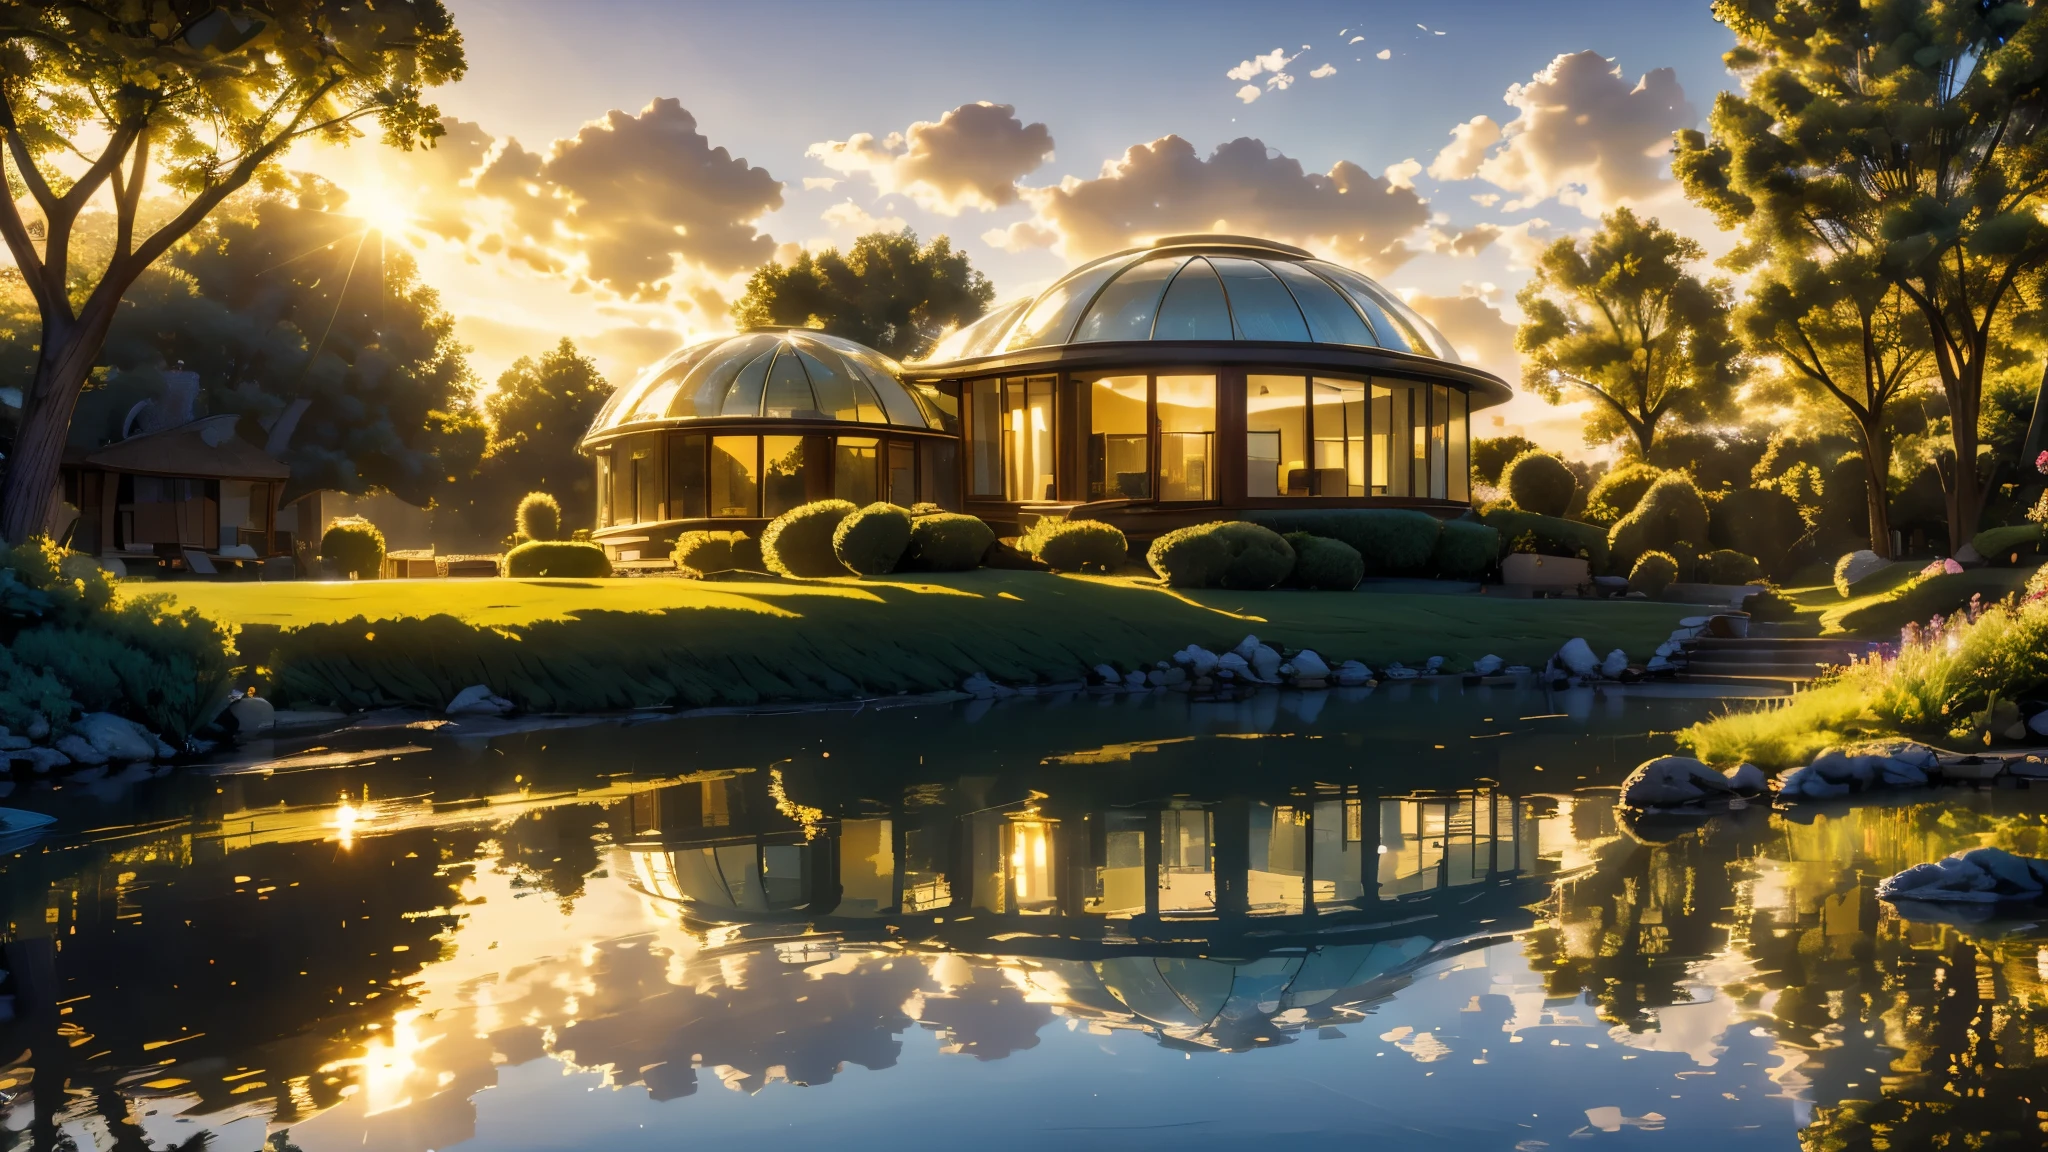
(1125, 309)
(784, 474)
(635, 484)
(735, 464)
(855, 460)
(1118, 454)
(1340, 425)
(1330, 319)
(1027, 429)
(840, 395)
(1363, 293)
(1187, 434)
(1194, 308)
(704, 390)
(1418, 424)
(938, 478)
(743, 397)
(1261, 308)
(604, 489)
(1275, 414)
(1391, 441)
(789, 390)
(687, 492)
(985, 438)
(1052, 318)
(902, 473)
(1460, 455)
(1439, 448)
(647, 481)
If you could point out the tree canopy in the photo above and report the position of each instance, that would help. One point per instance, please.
(537, 415)
(213, 93)
(886, 292)
(1619, 318)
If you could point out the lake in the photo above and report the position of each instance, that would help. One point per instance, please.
(1409, 915)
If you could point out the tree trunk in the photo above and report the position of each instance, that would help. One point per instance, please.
(67, 357)
(1877, 469)
(1966, 495)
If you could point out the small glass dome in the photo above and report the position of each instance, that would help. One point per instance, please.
(1203, 288)
(777, 374)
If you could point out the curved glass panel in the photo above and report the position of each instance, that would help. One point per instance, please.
(653, 399)
(1364, 293)
(1261, 308)
(743, 398)
(840, 396)
(1194, 307)
(702, 392)
(897, 401)
(980, 337)
(1052, 318)
(1431, 338)
(789, 389)
(1331, 319)
(1126, 308)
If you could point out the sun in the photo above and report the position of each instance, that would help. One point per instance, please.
(379, 206)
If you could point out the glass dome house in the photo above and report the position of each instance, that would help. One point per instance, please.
(1189, 380)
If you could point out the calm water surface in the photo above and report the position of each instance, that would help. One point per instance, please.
(1407, 915)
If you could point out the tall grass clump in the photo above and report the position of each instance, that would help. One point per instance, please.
(1943, 681)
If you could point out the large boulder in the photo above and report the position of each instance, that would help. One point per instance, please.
(1352, 674)
(1671, 782)
(1852, 568)
(478, 700)
(1577, 657)
(117, 738)
(1747, 779)
(1807, 784)
(1978, 876)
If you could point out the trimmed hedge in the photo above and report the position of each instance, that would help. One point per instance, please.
(1727, 566)
(1671, 511)
(1391, 541)
(1538, 482)
(871, 541)
(355, 547)
(1617, 493)
(1550, 535)
(1324, 564)
(799, 542)
(1759, 522)
(1653, 573)
(1466, 550)
(559, 558)
(699, 554)
(1997, 545)
(1077, 545)
(946, 542)
(539, 517)
(1221, 554)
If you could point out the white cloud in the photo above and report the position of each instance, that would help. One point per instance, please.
(1249, 93)
(813, 183)
(1470, 242)
(1323, 71)
(1403, 175)
(1166, 187)
(972, 157)
(1021, 236)
(1470, 141)
(1385, 54)
(1523, 243)
(1356, 39)
(1584, 134)
(1486, 199)
(846, 214)
(1280, 80)
(1272, 61)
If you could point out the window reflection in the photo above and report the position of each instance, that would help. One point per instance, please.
(1187, 866)
(1340, 425)
(783, 474)
(854, 463)
(1439, 448)
(1027, 441)
(1275, 417)
(985, 438)
(1187, 432)
(902, 486)
(1118, 464)
(687, 490)
(734, 467)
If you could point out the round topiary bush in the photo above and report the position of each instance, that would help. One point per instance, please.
(558, 558)
(1221, 554)
(699, 554)
(355, 547)
(1653, 572)
(1538, 482)
(946, 542)
(1324, 564)
(1080, 546)
(1392, 541)
(799, 542)
(871, 541)
(1727, 566)
(1466, 550)
(1759, 522)
(1671, 510)
(1617, 493)
(539, 517)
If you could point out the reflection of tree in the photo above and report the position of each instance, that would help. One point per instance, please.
(555, 847)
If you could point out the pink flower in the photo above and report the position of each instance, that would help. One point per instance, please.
(2041, 463)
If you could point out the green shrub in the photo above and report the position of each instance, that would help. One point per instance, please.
(539, 517)
(1324, 564)
(1670, 511)
(699, 554)
(1653, 572)
(1391, 541)
(1998, 545)
(1619, 491)
(1491, 456)
(1726, 566)
(355, 547)
(1466, 550)
(1076, 545)
(1538, 482)
(1760, 522)
(1547, 535)
(871, 541)
(1222, 554)
(1884, 579)
(558, 558)
(946, 542)
(799, 542)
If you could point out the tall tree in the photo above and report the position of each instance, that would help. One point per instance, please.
(1915, 132)
(537, 415)
(886, 292)
(214, 90)
(1849, 338)
(1619, 318)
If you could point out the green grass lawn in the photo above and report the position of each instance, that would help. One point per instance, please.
(586, 645)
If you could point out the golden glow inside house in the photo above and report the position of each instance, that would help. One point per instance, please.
(1193, 379)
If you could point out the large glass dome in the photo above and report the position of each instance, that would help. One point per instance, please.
(1203, 288)
(788, 374)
